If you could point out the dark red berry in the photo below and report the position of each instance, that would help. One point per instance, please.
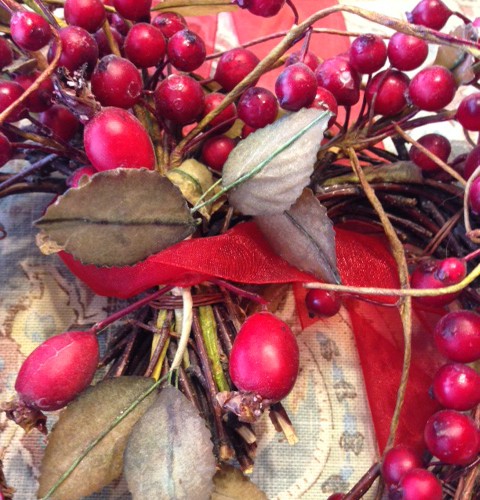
(336, 496)
(104, 48)
(452, 437)
(109, 137)
(295, 87)
(116, 82)
(326, 101)
(397, 462)
(435, 143)
(62, 122)
(215, 151)
(387, 91)
(29, 30)
(309, 58)
(368, 53)
(474, 196)
(457, 336)
(338, 76)
(133, 10)
(6, 53)
(58, 370)
(186, 50)
(6, 151)
(88, 14)
(322, 303)
(432, 88)
(263, 8)
(468, 112)
(406, 52)
(418, 484)
(234, 66)
(257, 107)
(9, 93)
(116, 21)
(472, 162)
(265, 357)
(430, 13)
(457, 386)
(41, 99)
(169, 23)
(247, 130)
(179, 98)
(227, 116)
(145, 45)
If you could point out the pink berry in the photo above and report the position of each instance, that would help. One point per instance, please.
(322, 303)
(265, 357)
(88, 14)
(419, 484)
(234, 66)
(457, 336)
(145, 45)
(29, 30)
(257, 107)
(387, 92)
(133, 10)
(227, 116)
(468, 112)
(215, 151)
(452, 437)
(169, 23)
(435, 143)
(186, 50)
(432, 88)
(430, 13)
(58, 370)
(406, 52)
(61, 121)
(368, 53)
(397, 462)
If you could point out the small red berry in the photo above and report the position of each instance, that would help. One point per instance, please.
(322, 303)
(104, 48)
(406, 52)
(257, 107)
(368, 53)
(435, 143)
(145, 45)
(233, 66)
(169, 23)
(186, 50)
(419, 484)
(295, 87)
(29, 30)
(432, 88)
(227, 116)
(6, 53)
(325, 101)
(133, 10)
(215, 151)
(387, 91)
(472, 162)
(397, 462)
(309, 58)
(263, 8)
(430, 13)
(9, 93)
(88, 14)
(468, 112)
(61, 121)
(474, 196)
(41, 99)
(83, 172)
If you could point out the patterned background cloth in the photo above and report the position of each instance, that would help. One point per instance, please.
(328, 406)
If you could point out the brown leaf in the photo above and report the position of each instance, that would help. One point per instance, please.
(304, 237)
(196, 7)
(119, 218)
(79, 424)
(231, 484)
(170, 452)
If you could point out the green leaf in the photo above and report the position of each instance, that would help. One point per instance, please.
(170, 452)
(119, 218)
(82, 422)
(196, 7)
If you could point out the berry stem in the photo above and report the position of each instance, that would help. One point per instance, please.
(34, 167)
(365, 483)
(186, 328)
(112, 43)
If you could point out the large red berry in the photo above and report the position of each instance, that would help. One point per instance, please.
(109, 137)
(397, 462)
(257, 107)
(29, 30)
(368, 53)
(134, 10)
(418, 484)
(295, 87)
(58, 370)
(234, 66)
(468, 112)
(145, 45)
(387, 92)
(338, 76)
(88, 14)
(432, 88)
(265, 357)
(406, 52)
(186, 50)
(430, 13)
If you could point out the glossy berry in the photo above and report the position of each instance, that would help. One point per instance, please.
(179, 98)
(116, 82)
(397, 462)
(474, 196)
(80, 175)
(169, 23)
(406, 52)
(457, 336)
(322, 303)
(215, 151)
(265, 357)
(88, 14)
(6, 53)
(9, 93)
(435, 143)
(134, 10)
(309, 58)
(109, 137)
(457, 386)
(102, 42)
(6, 151)
(29, 30)
(325, 101)
(233, 66)
(368, 54)
(263, 8)
(145, 45)
(62, 122)
(430, 13)
(257, 107)
(295, 87)
(432, 88)
(58, 370)
(452, 437)
(41, 99)
(186, 50)
(338, 76)
(468, 112)
(472, 162)
(227, 116)
(418, 484)
(387, 92)
(79, 48)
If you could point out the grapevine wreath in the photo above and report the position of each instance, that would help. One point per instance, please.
(223, 195)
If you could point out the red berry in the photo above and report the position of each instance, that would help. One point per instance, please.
(435, 143)
(322, 303)
(265, 357)
(468, 112)
(452, 437)
(133, 10)
(338, 76)
(295, 87)
(169, 23)
(75, 179)
(186, 50)
(419, 484)
(457, 386)
(397, 462)
(430, 13)
(179, 98)
(336, 496)
(116, 82)
(263, 8)
(432, 88)
(457, 336)
(9, 93)
(406, 52)
(41, 99)
(108, 140)
(29, 30)
(145, 45)
(58, 370)
(309, 58)
(215, 151)
(474, 196)
(6, 152)
(116, 21)
(6, 53)
(387, 91)
(326, 101)
(62, 122)
(368, 53)
(227, 116)
(102, 42)
(472, 162)
(234, 66)
(257, 107)
(88, 14)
